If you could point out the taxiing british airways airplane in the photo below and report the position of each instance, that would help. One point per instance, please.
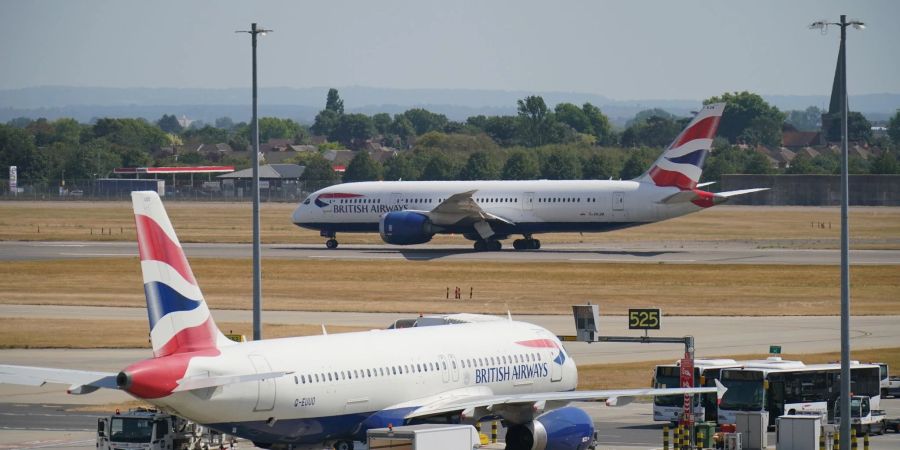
(306, 392)
(487, 212)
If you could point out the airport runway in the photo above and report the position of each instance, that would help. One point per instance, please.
(671, 252)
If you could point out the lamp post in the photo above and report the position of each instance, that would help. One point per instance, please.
(257, 284)
(845, 240)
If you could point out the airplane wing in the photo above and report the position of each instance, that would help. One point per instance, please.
(524, 407)
(81, 381)
(461, 209)
(203, 382)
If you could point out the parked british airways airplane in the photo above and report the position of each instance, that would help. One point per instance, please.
(487, 212)
(307, 392)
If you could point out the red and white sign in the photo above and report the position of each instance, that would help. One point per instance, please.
(687, 381)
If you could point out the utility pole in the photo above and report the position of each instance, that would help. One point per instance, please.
(845, 239)
(257, 282)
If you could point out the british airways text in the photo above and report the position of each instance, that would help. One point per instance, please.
(504, 373)
(366, 209)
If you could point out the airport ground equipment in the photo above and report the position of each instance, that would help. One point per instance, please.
(423, 437)
(893, 387)
(150, 429)
(753, 428)
(863, 418)
(798, 432)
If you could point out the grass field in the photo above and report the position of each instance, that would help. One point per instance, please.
(790, 227)
(421, 286)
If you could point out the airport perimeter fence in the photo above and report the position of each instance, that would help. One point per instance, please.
(289, 191)
(814, 190)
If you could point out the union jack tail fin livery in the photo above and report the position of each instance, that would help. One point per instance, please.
(682, 162)
(180, 322)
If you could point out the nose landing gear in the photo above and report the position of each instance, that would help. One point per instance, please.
(332, 242)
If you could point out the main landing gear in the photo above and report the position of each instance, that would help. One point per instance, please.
(332, 242)
(482, 245)
(527, 244)
(343, 445)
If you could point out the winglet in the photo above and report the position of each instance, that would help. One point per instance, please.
(720, 391)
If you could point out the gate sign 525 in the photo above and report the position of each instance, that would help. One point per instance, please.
(644, 319)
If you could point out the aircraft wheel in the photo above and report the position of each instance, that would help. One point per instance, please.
(343, 445)
(480, 245)
(494, 246)
(536, 245)
(331, 243)
(517, 244)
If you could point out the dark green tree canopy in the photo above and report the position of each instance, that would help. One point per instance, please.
(353, 130)
(744, 111)
(169, 123)
(318, 172)
(561, 164)
(333, 102)
(894, 130)
(424, 121)
(401, 167)
(858, 127)
(521, 165)
(439, 167)
(480, 166)
(362, 168)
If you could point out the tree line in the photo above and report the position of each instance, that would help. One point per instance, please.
(567, 141)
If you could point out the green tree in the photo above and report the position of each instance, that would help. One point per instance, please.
(401, 167)
(353, 130)
(382, 123)
(424, 121)
(894, 129)
(403, 129)
(638, 162)
(325, 123)
(362, 168)
(333, 102)
(858, 127)
(480, 166)
(741, 110)
(130, 133)
(534, 120)
(439, 167)
(317, 173)
(600, 126)
(521, 165)
(642, 116)
(802, 165)
(885, 163)
(504, 130)
(276, 128)
(561, 164)
(807, 120)
(225, 123)
(169, 123)
(17, 149)
(574, 117)
(599, 166)
(654, 131)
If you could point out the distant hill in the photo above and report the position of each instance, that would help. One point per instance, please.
(302, 104)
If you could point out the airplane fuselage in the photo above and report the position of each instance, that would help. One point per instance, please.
(345, 383)
(531, 207)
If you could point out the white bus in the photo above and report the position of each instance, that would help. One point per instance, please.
(669, 408)
(790, 387)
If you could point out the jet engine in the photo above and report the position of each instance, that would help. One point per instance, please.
(566, 428)
(405, 228)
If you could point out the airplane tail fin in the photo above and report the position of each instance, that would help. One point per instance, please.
(681, 164)
(180, 321)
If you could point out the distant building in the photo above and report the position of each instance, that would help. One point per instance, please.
(280, 181)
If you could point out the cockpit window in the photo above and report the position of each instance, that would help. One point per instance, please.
(306, 202)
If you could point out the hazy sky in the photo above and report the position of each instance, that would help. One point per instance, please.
(627, 49)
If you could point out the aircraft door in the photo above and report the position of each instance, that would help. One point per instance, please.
(555, 369)
(454, 368)
(618, 205)
(445, 368)
(528, 201)
(394, 200)
(265, 400)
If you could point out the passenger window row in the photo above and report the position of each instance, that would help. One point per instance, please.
(566, 200)
(467, 363)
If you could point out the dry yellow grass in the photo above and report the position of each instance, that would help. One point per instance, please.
(792, 227)
(639, 374)
(83, 333)
(420, 286)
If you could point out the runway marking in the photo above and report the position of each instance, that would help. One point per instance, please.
(98, 254)
(354, 257)
(632, 260)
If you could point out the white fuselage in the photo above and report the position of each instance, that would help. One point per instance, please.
(339, 381)
(538, 206)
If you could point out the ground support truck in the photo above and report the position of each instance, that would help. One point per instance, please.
(150, 429)
(863, 418)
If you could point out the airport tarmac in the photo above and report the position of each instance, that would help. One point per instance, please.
(670, 252)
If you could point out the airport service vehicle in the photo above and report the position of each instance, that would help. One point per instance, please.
(706, 372)
(862, 417)
(893, 388)
(306, 392)
(487, 212)
(150, 429)
(791, 387)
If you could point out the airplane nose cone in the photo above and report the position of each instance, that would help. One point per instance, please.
(298, 215)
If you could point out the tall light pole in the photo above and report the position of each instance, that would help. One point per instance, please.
(845, 239)
(257, 284)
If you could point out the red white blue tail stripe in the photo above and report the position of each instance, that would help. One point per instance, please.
(180, 321)
(682, 163)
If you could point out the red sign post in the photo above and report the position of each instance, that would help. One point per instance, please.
(687, 381)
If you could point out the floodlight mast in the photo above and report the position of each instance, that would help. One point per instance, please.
(845, 240)
(257, 284)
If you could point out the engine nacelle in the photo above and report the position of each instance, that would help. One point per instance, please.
(568, 428)
(405, 228)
